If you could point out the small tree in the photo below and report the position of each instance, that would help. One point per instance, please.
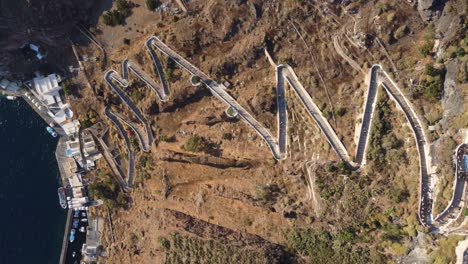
(152, 4)
(164, 242)
(67, 87)
(196, 144)
(426, 48)
(227, 136)
(429, 69)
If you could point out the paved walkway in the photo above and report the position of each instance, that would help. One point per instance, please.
(278, 145)
(131, 156)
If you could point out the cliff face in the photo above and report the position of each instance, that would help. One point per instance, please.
(428, 8)
(43, 22)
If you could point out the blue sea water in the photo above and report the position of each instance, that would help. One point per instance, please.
(31, 221)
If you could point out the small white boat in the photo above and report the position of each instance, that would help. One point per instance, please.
(11, 97)
(51, 131)
(72, 236)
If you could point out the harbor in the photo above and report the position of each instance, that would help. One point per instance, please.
(75, 153)
(30, 180)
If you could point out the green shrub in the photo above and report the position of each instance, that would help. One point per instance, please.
(196, 144)
(124, 7)
(319, 246)
(126, 41)
(109, 191)
(164, 243)
(429, 69)
(382, 7)
(67, 87)
(117, 16)
(113, 18)
(165, 138)
(331, 168)
(266, 192)
(340, 111)
(227, 136)
(432, 89)
(152, 4)
(445, 253)
(399, 249)
(426, 48)
(168, 73)
(137, 95)
(400, 32)
(248, 221)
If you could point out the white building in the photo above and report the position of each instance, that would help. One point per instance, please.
(47, 90)
(71, 127)
(73, 149)
(9, 86)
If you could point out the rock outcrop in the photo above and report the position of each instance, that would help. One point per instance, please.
(428, 9)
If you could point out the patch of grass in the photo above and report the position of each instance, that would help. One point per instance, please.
(385, 150)
(324, 247)
(426, 48)
(432, 82)
(445, 253)
(137, 95)
(247, 221)
(185, 249)
(196, 144)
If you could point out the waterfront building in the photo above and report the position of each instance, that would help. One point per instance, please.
(9, 86)
(91, 250)
(47, 89)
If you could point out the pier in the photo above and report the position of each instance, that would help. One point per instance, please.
(63, 253)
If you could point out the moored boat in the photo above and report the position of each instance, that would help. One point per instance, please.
(51, 131)
(72, 235)
(62, 197)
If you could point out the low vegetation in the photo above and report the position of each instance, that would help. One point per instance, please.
(432, 81)
(196, 144)
(426, 48)
(117, 16)
(323, 247)
(88, 119)
(105, 188)
(445, 253)
(68, 87)
(185, 249)
(152, 4)
(384, 150)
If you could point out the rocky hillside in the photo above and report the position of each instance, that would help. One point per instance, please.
(43, 22)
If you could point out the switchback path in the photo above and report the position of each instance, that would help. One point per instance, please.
(455, 207)
(145, 138)
(131, 156)
(278, 145)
